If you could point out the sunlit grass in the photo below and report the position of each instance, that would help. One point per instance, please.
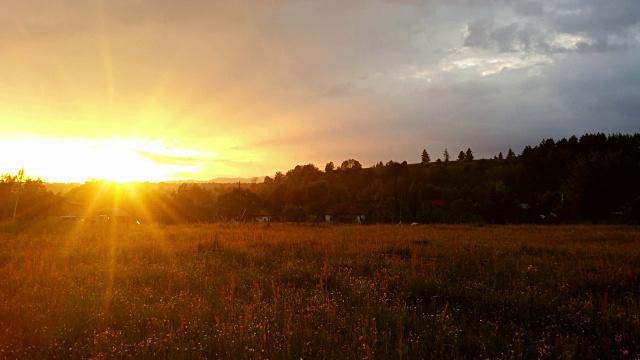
(282, 291)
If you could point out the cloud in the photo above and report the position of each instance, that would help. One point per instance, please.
(548, 27)
(596, 18)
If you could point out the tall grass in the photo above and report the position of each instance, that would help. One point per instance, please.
(287, 291)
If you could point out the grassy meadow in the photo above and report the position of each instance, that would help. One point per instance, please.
(300, 291)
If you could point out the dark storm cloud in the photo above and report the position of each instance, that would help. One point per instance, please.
(487, 34)
(595, 17)
(530, 8)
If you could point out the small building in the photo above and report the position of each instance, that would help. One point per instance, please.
(260, 215)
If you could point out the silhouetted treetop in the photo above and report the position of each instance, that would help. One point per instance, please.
(350, 164)
(329, 167)
(468, 155)
(425, 157)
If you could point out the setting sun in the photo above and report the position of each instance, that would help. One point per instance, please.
(115, 159)
(117, 163)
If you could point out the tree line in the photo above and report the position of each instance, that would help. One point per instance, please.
(592, 178)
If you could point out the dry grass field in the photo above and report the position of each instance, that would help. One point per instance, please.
(338, 292)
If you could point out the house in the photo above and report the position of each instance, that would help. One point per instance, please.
(258, 216)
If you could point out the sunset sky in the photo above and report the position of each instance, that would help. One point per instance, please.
(164, 89)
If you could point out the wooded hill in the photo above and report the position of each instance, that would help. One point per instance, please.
(592, 178)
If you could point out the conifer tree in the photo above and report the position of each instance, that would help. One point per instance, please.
(425, 157)
(469, 155)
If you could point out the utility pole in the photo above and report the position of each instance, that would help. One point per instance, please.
(19, 177)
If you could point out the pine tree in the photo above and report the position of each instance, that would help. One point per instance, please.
(500, 156)
(425, 157)
(511, 155)
(461, 156)
(446, 155)
(469, 155)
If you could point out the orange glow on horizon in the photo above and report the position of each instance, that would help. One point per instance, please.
(117, 160)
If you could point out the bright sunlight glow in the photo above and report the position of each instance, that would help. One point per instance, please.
(78, 160)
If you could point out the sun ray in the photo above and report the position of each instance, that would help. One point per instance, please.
(106, 52)
(168, 210)
(64, 76)
(108, 296)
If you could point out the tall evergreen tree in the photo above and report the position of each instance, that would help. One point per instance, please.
(510, 154)
(461, 156)
(425, 157)
(446, 155)
(469, 155)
